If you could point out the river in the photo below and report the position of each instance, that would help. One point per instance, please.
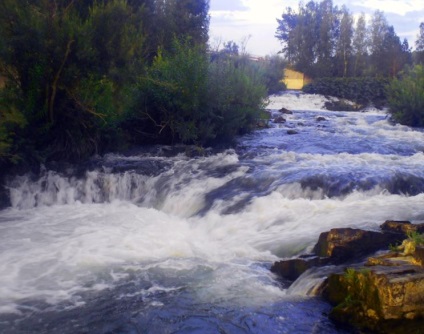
(157, 241)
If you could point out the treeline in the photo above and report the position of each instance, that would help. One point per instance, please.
(80, 77)
(323, 40)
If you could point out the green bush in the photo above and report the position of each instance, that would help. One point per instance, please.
(365, 90)
(273, 67)
(406, 97)
(187, 98)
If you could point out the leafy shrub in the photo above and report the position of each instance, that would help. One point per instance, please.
(406, 97)
(361, 90)
(187, 98)
(273, 67)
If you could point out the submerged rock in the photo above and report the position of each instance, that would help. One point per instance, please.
(292, 132)
(291, 269)
(279, 119)
(285, 111)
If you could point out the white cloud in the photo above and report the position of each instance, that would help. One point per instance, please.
(401, 7)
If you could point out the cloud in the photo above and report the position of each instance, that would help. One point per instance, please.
(227, 5)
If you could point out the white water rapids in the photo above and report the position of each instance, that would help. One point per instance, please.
(208, 226)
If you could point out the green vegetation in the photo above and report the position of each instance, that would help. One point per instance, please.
(406, 97)
(323, 40)
(415, 237)
(361, 90)
(86, 77)
(355, 60)
(186, 98)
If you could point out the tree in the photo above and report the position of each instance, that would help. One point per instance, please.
(344, 43)
(419, 45)
(360, 46)
(169, 19)
(67, 63)
(377, 34)
(326, 17)
(286, 34)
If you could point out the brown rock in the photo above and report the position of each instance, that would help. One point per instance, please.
(291, 269)
(419, 255)
(401, 226)
(285, 111)
(279, 119)
(380, 298)
(346, 244)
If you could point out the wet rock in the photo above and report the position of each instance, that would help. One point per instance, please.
(320, 119)
(347, 244)
(285, 111)
(262, 124)
(292, 132)
(419, 255)
(384, 299)
(291, 269)
(279, 119)
(403, 227)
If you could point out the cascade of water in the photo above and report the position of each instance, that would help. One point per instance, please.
(167, 233)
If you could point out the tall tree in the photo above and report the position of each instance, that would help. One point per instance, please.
(328, 33)
(360, 46)
(419, 45)
(286, 32)
(344, 43)
(377, 34)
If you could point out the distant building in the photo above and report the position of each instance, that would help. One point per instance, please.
(295, 80)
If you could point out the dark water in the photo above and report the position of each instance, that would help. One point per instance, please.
(158, 241)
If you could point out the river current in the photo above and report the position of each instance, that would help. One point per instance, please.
(160, 241)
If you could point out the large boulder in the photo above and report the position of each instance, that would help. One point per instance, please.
(348, 244)
(384, 299)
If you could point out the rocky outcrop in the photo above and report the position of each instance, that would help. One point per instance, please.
(384, 294)
(339, 245)
(372, 288)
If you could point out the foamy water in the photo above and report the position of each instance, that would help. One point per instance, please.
(195, 234)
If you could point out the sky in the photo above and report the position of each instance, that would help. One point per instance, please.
(253, 22)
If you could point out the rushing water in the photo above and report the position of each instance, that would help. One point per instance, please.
(159, 242)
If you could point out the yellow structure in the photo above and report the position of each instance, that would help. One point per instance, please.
(295, 80)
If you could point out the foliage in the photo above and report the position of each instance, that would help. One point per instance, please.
(406, 97)
(273, 67)
(69, 66)
(416, 237)
(361, 90)
(419, 45)
(319, 39)
(186, 98)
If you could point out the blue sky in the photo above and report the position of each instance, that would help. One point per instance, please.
(255, 20)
